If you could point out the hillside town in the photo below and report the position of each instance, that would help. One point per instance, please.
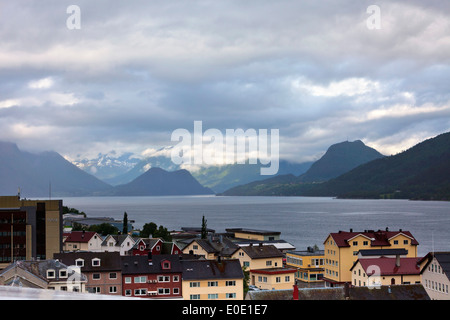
(201, 264)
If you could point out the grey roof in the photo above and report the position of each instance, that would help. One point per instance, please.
(397, 292)
(118, 238)
(212, 269)
(109, 261)
(262, 252)
(142, 265)
(39, 269)
(442, 257)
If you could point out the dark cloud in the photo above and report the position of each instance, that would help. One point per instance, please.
(138, 70)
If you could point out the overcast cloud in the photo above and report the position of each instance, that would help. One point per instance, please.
(137, 70)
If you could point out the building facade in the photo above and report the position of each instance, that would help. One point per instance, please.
(212, 280)
(341, 250)
(309, 264)
(383, 271)
(435, 271)
(102, 270)
(158, 276)
(29, 229)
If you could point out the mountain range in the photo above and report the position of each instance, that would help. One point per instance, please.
(346, 170)
(217, 178)
(421, 172)
(48, 174)
(338, 159)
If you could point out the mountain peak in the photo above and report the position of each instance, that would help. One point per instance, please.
(340, 158)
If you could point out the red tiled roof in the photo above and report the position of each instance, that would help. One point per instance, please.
(387, 266)
(79, 236)
(378, 238)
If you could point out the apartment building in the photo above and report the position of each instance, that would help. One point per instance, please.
(212, 280)
(341, 250)
(29, 229)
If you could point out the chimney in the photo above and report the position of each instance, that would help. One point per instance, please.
(295, 293)
(351, 230)
(397, 261)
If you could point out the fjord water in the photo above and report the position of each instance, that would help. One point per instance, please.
(302, 221)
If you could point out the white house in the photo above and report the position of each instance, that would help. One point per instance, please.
(436, 274)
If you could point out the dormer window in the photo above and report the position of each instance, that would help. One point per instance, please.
(96, 262)
(51, 274)
(63, 273)
(165, 265)
(79, 262)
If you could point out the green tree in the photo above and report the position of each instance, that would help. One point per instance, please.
(204, 233)
(246, 279)
(104, 229)
(148, 230)
(125, 223)
(163, 233)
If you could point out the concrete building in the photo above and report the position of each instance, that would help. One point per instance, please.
(29, 229)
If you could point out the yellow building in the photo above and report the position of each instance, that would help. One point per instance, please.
(30, 229)
(212, 280)
(259, 257)
(309, 265)
(253, 234)
(201, 247)
(383, 271)
(273, 278)
(341, 250)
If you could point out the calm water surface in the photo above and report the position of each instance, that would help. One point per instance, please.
(302, 221)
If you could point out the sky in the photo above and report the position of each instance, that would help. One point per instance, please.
(124, 75)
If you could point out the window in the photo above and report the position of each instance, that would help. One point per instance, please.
(230, 295)
(395, 242)
(166, 265)
(95, 290)
(355, 243)
(96, 276)
(176, 278)
(128, 292)
(112, 275)
(79, 263)
(268, 263)
(140, 292)
(213, 283)
(213, 296)
(246, 264)
(230, 283)
(163, 278)
(127, 279)
(142, 279)
(194, 297)
(164, 291)
(113, 289)
(63, 273)
(176, 291)
(194, 285)
(195, 247)
(96, 262)
(278, 279)
(405, 241)
(287, 278)
(50, 273)
(365, 243)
